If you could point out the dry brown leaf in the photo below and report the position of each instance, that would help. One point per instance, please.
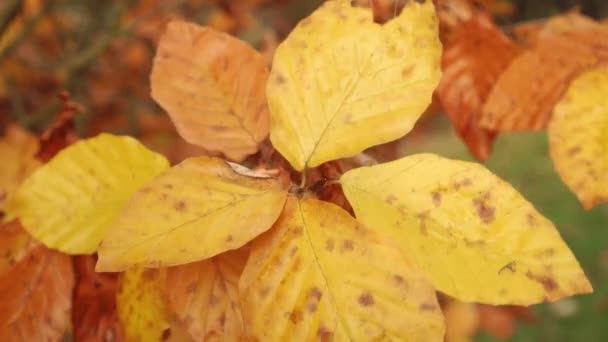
(525, 94)
(474, 57)
(94, 316)
(496, 321)
(462, 321)
(60, 133)
(15, 244)
(204, 296)
(36, 297)
(213, 87)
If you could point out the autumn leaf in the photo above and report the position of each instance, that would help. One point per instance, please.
(339, 76)
(94, 315)
(525, 94)
(204, 296)
(17, 152)
(15, 244)
(578, 137)
(36, 297)
(475, 55)
(69, 202)
(320, 275)
(196, 210)
(461, 319)
(142, 310)
(212, 85)
(475, 236)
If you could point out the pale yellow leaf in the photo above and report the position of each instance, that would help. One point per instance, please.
(341, 83)
(68, 203)
(196, 210)
(320, 275)
(474, 235)
(578, 137)
(204, 296)
(212, 85)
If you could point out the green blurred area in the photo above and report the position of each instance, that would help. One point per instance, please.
(523, 160)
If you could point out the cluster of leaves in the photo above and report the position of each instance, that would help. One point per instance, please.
(269, 249)
(549, 75)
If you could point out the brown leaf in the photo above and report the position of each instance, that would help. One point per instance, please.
(525, 94)
(204, 296)
(61, 133)
(15, 244)
(474, 57)
(94, 316)
(36, 296)
(213, 87)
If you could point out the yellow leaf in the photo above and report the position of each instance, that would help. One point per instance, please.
(320, 275)
(17, 152)
(578, 136)
(474, 235)
(204, 296)
(212, 85)
(141, 308)
(341, 83)
(196, 210)
(68, 203)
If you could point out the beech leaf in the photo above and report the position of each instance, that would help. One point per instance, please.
(578, 137)
(320, 275)
(339, 76)
(68, 203)
(475, 236)
(193, 211)
(212, 85)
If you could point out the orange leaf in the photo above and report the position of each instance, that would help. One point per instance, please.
(15, 244)
(94, 316)
(204, 296)
(36, 296)
(474, 57)
(61, 133)
(213, 87)
(525, 94)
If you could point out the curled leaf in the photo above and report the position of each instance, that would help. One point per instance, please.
(578, 137)
(212, 85)
(320, 275)
(196, 210)
(475, 236)
(69, 202)
(339, 76)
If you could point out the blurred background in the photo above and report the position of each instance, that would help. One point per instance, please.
(100, 53)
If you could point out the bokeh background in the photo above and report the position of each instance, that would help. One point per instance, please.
(100, 53)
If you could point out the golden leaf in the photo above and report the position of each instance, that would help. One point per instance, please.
(68, 203)
(578, 137)
(474, 235)
(341, 83)
(196, 210)
(204, 296)
(212, 85)
(320, 275)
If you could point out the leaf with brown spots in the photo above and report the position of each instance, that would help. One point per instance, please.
(194, 211)
(68, 203)
(15, 244)
(525, 94)
(212, 85)
(204, 296)
(17, 155)
(94, 315)
(578, 137)
(339, 76)
(36, 297)
(475, 55)
(483, 242)
(142, 309)
(320, 275)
